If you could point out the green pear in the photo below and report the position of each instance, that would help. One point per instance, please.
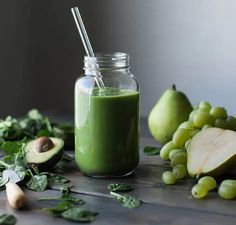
(170, 111)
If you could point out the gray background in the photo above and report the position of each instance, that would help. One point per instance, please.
(191, 43)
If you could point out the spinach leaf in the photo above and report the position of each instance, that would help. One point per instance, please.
(7, 219)
(42, 133)
(38, 183)
(127, 200)
(54, 211)
(10, 129)
(11, 147)
(8, 158)
(55, 179)
(64, 198)
(149, 150)
(3, 181)
(21, 171)
(34, 124)
(75, 200)
(79, 214)
(119, 187)
(65, 205)
(59, 209)
(34, 114)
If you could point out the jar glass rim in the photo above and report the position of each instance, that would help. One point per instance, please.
(107, 56)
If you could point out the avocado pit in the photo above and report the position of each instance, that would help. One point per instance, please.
(43, 144)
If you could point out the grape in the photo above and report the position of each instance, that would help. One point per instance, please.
(166, 149)
(205, 105)
(231, 123)
(199, 191)
(180, 137)
(209, 182)
(187, 125)
(206, 126)
(194, 132)
(168, 177)
(204, 109)
(179, 171)
(187, 143)
(175, 152)
(202, 118)
(227, 191)
(219, 112)
(180, 158)
(195, 106)
(229, 183)
(221, 123)
(191, 115)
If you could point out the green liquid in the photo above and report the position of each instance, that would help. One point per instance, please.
(107, 132)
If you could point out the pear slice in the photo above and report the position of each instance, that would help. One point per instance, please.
(212, 151)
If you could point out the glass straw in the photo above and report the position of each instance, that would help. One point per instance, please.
(85, 39)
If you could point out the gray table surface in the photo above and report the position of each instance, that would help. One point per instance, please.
(162, 204)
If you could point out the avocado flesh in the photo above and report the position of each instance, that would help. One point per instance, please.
(44, 160)
(212, 152)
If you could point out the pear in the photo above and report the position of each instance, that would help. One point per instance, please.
(212, 152)
(170, 111)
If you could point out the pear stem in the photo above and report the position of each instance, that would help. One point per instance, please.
(173, 87)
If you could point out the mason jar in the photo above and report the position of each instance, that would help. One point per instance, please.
(107, 117)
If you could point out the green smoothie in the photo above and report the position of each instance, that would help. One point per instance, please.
(107, 132)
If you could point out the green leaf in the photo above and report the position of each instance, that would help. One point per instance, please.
(54, 211)
(7, 219)
(79, 214)
(65, 205)
(119, 187)
(42, 133)
(21, 171)
(48, 124)
(9, 158)
(3, 181)
(55, 179)
(127, 200)
(69, 198)
(59, 209)
(11, 147)
(38, 183)
(65, 189)
(149, 150)
(35, 114)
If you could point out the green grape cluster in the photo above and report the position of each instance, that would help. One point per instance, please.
(202, 117)
(227, 189)
(178, 159)
(204, 185)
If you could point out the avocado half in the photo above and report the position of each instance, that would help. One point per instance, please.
(44, 160)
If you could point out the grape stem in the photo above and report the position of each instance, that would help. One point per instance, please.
(173, 87)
